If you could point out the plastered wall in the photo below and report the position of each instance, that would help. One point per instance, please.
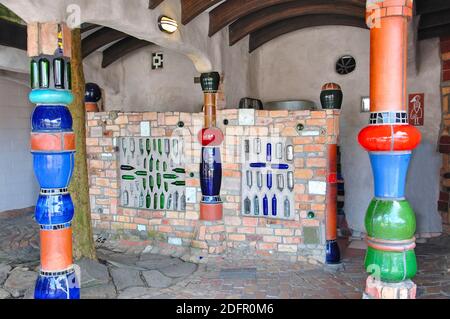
(18, 187)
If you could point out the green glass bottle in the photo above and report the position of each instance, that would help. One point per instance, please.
(155, 201)
(158, 180)
(144, 183)
(179, 170)
(164, 166)
(34, 75)
(44, 69)
(157, 165)
(59, 73)
(128, 177)
(141, 173)
(170, 176)
(179, 183)
(166, 186)
(151, 164)
(162, 201)
(152, 183)
(148, 200)
(126, 168)
(69, 76)
(160, 147)
(147, 146)
(141, 200)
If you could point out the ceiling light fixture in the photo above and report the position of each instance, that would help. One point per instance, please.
(167, 24)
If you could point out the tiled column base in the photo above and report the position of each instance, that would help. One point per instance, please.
(210, 241)
(376, 289)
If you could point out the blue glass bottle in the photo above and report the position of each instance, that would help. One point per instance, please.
(274, 206)
(265, 206)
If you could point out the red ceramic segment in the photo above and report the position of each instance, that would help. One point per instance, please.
(211, 212)
(211, 136)
(379, 138)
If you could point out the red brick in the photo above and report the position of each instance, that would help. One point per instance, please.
(236, 237)
(446, 75)
(445, 46)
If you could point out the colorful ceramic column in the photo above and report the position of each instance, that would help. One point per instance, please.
(333, 255)
(389, 139)
(53, 149)
(211, 208)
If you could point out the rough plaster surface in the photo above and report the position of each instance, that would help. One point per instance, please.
(18, 186)
(296, 65)
(14, 60)
(130, 84)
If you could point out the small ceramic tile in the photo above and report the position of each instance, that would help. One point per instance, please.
(145, 129)
(317, 188)
(247, 117)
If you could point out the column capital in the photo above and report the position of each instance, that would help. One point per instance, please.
(378, 9)
(49, 38)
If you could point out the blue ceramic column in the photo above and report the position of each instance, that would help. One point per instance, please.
(53, 150)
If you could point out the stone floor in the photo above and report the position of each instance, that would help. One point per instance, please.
(134, 272)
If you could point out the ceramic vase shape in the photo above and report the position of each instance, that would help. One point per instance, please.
(331, 96)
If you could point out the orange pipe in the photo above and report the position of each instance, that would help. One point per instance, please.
(210, 109)
(388, 54)
(331, 213)
(56, 249)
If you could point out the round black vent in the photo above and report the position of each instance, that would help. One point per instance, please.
(346, 65)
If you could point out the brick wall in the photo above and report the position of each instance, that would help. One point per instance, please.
(300, 239)
(444, 141)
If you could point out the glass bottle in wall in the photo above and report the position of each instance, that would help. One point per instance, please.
(148, 200)
(69, 76)
(58, 73)
(256, 205)
(44, 70)
(34, 74)
(162, 201)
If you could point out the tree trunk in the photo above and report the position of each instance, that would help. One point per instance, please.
(83, 245)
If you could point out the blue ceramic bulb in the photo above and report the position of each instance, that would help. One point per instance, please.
(54, 209)
(54, 170)
(51, 118)
(57, 287)
(211, 171)
(93, 93)
(390, 171)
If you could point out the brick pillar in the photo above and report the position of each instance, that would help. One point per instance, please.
(444, 140)
(389, 139)
(53, 149)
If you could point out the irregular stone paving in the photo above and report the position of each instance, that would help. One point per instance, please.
(125, 272)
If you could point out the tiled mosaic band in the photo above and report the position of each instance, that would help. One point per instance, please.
(379, 118)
